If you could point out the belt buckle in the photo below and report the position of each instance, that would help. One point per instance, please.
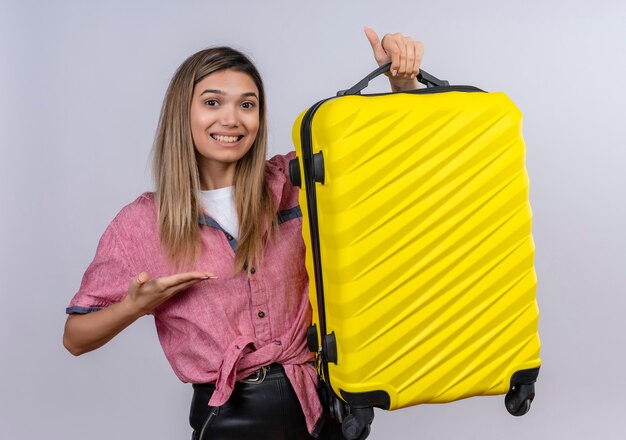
(258, 378)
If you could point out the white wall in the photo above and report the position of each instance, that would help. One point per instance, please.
(80, 90)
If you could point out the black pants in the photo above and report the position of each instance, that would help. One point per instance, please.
(268, 410)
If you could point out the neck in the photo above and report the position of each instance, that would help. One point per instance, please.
(216, 175)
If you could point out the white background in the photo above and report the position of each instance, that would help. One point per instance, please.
(81, 85)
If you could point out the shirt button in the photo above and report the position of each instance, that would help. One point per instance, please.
(261, 314)
(252, 270)
(230, 237)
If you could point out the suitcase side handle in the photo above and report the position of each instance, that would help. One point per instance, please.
(423, 77)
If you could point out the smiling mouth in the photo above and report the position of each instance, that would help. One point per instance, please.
(226, 139)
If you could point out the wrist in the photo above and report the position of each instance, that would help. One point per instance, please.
(401, 85)
(131, 309)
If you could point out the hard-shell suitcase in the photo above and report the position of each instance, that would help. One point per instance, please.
(419, 250)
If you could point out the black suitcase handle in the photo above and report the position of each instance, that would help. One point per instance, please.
(424, 77)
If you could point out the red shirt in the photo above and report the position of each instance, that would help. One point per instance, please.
(220, 330)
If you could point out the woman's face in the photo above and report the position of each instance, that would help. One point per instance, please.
(224, 117)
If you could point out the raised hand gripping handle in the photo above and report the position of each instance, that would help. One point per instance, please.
(423, 77)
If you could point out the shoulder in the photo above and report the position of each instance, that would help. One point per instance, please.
(142, 206)
(139, 215)
(279, 164)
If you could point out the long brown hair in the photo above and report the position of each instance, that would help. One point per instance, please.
(176, 175)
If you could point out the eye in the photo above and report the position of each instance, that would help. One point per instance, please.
(247, 105)
(211, 102)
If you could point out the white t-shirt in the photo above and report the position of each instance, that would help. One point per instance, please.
(220, 205)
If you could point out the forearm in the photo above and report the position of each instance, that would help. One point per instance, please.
(84, 333)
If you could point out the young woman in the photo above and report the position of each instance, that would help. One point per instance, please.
(216, 255)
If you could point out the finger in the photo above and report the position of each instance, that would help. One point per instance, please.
(395, 58)
(407, 57)
(411, 59)
(176, 279)
(380, 55)
(419, 53)
(372, 37)
(140, 279)
(171, 291)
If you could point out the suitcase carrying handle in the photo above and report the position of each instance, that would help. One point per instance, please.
(423, 77)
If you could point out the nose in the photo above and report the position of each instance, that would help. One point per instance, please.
(228, 116)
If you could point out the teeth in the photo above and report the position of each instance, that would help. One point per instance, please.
(221, 138)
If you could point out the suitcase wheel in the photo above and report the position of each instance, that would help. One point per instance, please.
(351, 433)
(338, 409)
(519, 399)
(357, 425)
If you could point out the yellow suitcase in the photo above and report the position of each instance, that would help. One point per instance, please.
(419, 250)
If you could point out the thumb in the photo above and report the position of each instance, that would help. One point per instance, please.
(380, 55)
(141, 278)
(372, 36)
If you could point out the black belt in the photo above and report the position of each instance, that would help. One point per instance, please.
(268, 372)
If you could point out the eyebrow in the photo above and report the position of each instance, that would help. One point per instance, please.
(220, 92)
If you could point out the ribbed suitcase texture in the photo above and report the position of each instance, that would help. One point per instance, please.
(424, 230)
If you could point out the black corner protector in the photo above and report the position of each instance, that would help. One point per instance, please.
(525, 377)
(379, 399)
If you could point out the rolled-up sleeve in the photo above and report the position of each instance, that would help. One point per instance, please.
(107, 278)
